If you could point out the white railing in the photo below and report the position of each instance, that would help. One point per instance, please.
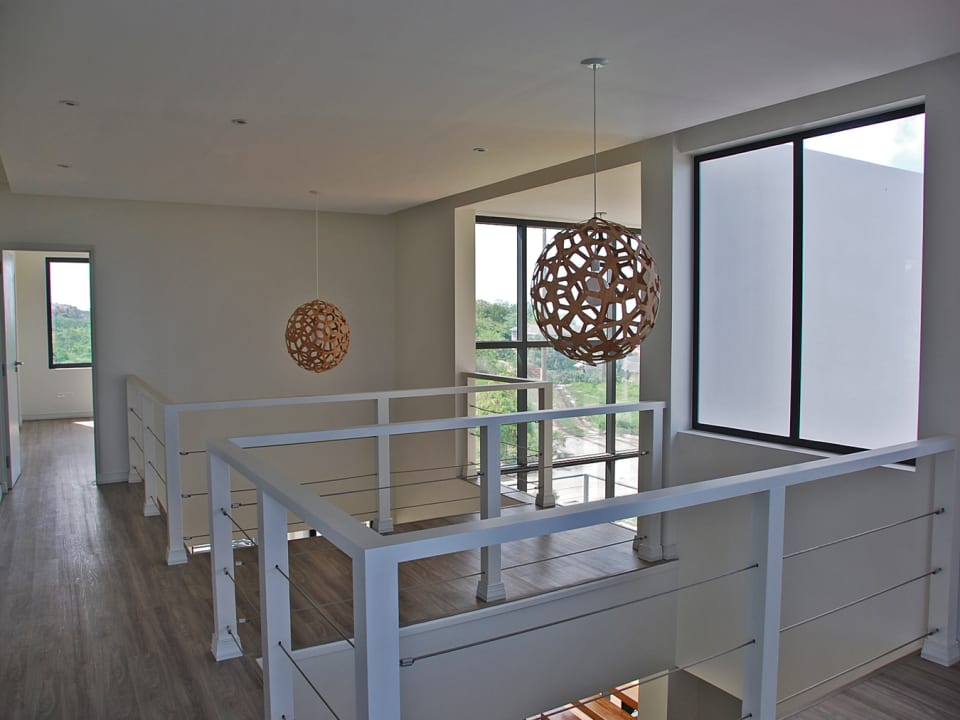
(376, 558)
(157, 456)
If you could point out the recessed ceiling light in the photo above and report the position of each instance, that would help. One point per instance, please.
(239, 121)
(480, 149)
(69, 103)
(65, 166)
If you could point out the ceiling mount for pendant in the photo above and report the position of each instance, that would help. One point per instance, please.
(595, 290)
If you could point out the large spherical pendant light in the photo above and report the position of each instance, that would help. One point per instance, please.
(595, 290)
(317, 334)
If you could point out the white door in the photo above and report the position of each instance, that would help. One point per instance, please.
(10, 387)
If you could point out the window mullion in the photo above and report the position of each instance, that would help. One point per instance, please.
(797, 298)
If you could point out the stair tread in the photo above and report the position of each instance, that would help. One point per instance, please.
(601, 709)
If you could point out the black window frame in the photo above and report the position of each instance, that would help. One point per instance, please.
(523, 344)
(796, 139)
(51, 364)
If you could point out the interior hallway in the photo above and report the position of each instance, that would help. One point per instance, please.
(92, 623)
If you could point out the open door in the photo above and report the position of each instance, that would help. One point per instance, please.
(10, 385)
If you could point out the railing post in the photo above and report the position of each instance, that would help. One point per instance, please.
(383, 523)
(176, 553)
(222, 567)
(648, 543)
(136, 437)
(376, 622)
(762, 659)
(151, 488)
(490, 587)
(274, 608)
(943, 648)
(545, 496)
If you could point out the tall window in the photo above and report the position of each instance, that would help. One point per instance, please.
(594, 457)
(68, 312)
(808, 270)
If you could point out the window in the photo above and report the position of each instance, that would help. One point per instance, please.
(510, 343)
(807, 287)
(68, 312)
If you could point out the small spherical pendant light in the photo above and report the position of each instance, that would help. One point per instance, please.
(317, 334)
(595, 290)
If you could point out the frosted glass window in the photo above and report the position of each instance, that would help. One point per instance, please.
(745, 290)
(862, 257)
(810, 254)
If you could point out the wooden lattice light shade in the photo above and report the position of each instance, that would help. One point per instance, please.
(595, 291)
(318, 336)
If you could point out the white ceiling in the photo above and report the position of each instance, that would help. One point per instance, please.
(378, 103)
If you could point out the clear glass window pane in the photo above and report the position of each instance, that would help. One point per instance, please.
(579, 483)
(537, 240)
(628, 390)
(862, 245)
(746, 241)
(576, 384)
(496, 282)
(69, 297)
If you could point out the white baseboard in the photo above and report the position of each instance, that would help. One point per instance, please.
(82, 415)
(113, 477)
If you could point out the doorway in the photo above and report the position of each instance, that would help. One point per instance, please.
(47, 342)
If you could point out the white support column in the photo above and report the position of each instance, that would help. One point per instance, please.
(176, 553)
(376, 622)
(221, 561)
(762, 659)
(278, 669)
(649, 543)
(944, 605)
(383, 523)
(490, 587)
(151, 484)
(546, 498)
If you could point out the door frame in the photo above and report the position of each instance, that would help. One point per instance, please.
(53, 248)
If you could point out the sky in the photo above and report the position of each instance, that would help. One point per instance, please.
(895, 143)
(70, 284)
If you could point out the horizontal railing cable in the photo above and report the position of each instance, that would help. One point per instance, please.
(840, 674)
(309, 682)
(137, 471)
(137, 443)
(155, 436)
(860, 600)
(939, 511)
(238, 527)
(135, 414)
(408, 661)
(234, 638)
(318, 608)
(240, 589)
(506, 568)
(657, 676)
(156, 472)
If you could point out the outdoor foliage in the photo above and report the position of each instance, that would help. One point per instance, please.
(71, 335)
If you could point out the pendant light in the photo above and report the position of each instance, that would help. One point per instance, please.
(595, 290)
(317, 335)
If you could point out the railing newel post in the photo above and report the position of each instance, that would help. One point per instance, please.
(222, 645)
(176, 554)
(490, 587)
(546, 497)
(383, 523)
(274, 607)
(376, 621)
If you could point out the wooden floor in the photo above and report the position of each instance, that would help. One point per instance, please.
(93, 624)
(909, 689)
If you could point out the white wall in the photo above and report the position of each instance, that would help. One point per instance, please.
(45, 393)
(195, 298)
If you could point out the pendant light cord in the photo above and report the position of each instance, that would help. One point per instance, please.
(595, 140)
(316, 241)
